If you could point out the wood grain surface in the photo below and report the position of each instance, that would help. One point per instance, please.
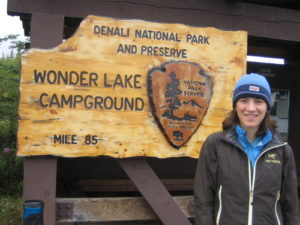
(89, 95)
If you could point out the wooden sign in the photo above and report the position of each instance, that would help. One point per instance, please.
(125, 88)
(180, 93)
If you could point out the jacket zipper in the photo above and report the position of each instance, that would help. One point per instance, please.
(252, 184)
(250, 207)
(276, 213)
(220, 206)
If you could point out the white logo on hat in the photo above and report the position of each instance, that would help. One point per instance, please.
(254, 88)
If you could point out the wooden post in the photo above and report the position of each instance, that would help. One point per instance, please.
(40, 172)
(154, 191)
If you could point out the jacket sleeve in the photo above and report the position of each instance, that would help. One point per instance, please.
(205, 184)
(289, 196)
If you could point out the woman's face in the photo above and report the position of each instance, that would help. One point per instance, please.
(251, 112)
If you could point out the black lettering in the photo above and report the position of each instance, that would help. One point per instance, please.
(155, 51)
(77, 100)
(39, 77)
(57, 138)
(117, 31)
(93, 79)
(125, 34)
(41, 99)
(136, 81)
(129, 104)
(105, 82)
(54, 101)
(172, 52)
(94, 140)
(74, 139)
(110, 31)
(206, 40)
(118, 81)
(177, 38)
(150, 50)
(54, 77)
(65, 139)
(91, 140)
(143, 49)
(98, 102)
(97, 29)
(194, 39)
(88, 104)
(172, 37)
(145, 35)
(74, 78)
(108, 102)
(138, 33)
(82, 78)
(120, 49)
(127, 81)
(120, 105)
(130, 49)
(158, 35)
(103, 30)
(184, 55)
(188, 37)
(63, 77)
(200, 39)
(65, 101)
(139, 104)
(163, 51)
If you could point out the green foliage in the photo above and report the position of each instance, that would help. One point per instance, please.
(10, 210)
(15, 44)
(10, 166)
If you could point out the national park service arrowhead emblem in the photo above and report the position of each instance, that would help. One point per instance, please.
(179, 94)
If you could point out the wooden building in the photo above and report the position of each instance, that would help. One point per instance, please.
(69, 186)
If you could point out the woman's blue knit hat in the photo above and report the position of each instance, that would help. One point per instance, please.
(252, 85)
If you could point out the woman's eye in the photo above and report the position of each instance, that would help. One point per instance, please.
(259, 101)
(243, 100)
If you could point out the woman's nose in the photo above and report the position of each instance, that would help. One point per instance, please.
(251, 106)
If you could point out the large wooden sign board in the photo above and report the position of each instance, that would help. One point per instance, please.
(127, 88)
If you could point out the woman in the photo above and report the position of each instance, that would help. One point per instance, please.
(246, 174)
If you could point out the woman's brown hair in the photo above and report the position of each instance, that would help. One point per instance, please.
(232, 120)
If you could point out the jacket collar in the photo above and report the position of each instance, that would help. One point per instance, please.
(230, 136)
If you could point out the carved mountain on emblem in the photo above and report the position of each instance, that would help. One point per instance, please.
(192, 103)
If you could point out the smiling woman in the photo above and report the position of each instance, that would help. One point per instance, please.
(246, 173)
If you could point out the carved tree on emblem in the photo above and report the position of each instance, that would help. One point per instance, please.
(171, 99)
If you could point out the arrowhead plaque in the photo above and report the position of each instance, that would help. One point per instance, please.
(179, 94)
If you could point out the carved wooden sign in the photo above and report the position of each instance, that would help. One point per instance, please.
(125, 88)
(180, 93)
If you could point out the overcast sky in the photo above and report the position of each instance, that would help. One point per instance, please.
(8, 25)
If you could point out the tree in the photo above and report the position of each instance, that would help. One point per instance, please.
(10, 165)
(15, 44)
(172, 101)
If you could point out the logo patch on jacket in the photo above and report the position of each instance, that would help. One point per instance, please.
(272, 158)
